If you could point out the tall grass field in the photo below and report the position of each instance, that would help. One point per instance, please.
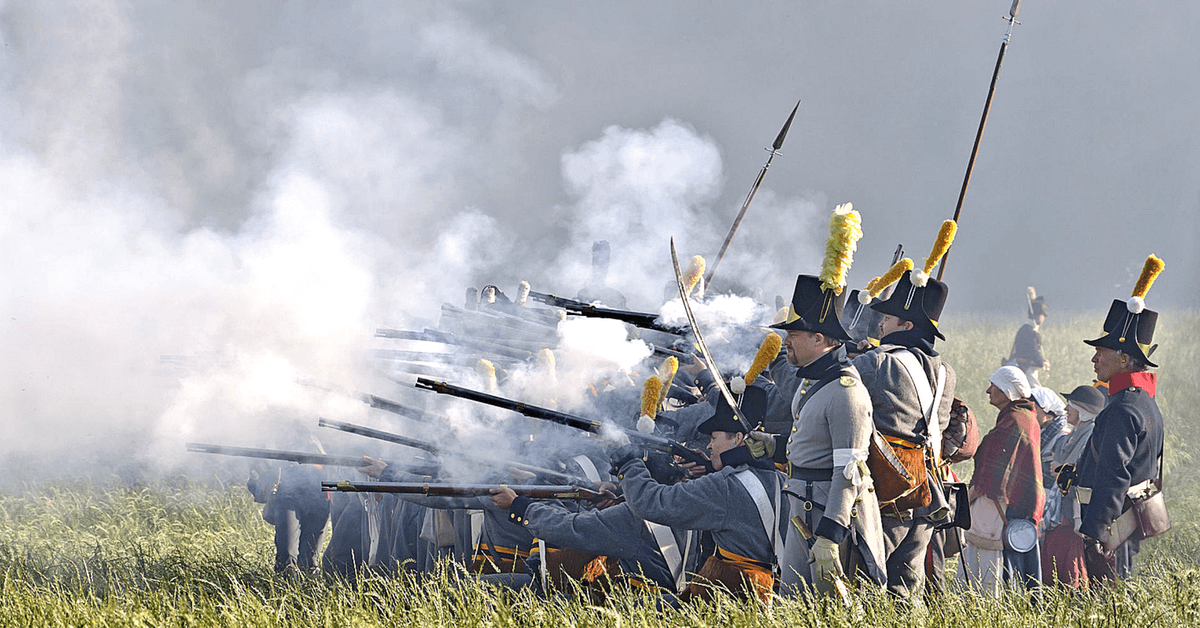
(196, 552)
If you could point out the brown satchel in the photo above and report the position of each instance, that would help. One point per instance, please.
(899, 474)
(1152, 515)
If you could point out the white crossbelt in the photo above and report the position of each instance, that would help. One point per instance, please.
(665, 539)
(926, 396)
(589, 468)
(768, 513)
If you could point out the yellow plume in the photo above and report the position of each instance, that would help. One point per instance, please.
(487, 371)
(667, 371)
(767, 351)
(944, 240)
(890, 277)
(693, 273)
(651, 391)
(845, 229)
(545, 359)
(1150, 271)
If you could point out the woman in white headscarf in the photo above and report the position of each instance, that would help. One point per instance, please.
(1062, 550)
(1006, 490)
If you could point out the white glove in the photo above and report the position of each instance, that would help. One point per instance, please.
(827, 565)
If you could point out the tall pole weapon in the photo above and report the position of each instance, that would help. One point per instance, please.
(774, 150)
(987, 105)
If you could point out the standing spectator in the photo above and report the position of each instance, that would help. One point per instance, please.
(1052, 416)
(1006, 487)
(1062, 548)
(1026, 351)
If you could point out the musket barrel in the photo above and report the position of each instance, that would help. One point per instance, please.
(654, 441)
(537, 491)
(299, 457)
(379, 435)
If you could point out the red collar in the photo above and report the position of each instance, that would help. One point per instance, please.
(1121, 381)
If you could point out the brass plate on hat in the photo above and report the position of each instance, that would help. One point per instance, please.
(846, 381)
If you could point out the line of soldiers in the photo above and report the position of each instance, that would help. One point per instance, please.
(844, 483)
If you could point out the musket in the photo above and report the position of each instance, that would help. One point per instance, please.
(509, 328)
(987, 106)
(299, 457)
(774, 150)
(439, 451)
(533, 491)
(441, 337)
(660, 443)
(400, 409)
(702, 346)
(644, 320)
(453, 359)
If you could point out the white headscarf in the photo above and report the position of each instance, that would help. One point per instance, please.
(1049, 401)
(1012, 382)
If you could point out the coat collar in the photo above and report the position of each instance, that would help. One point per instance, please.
(1121, 381)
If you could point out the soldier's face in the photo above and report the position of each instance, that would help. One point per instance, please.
(803, 347)
(721, 442)
(1108, 362)
(890, 324)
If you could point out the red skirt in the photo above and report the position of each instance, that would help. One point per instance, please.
(1062, 558)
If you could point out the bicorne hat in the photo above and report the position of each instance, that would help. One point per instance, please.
(753, 404)
(922, 305)
(1129, 326)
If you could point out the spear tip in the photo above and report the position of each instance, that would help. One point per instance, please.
(783, 132)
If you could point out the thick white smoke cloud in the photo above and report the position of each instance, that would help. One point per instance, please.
(256, 190)
(354, 209)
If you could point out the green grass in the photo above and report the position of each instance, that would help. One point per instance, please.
(192, 554)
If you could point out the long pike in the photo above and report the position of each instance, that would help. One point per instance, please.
(774, 150)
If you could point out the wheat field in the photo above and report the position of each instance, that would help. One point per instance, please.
(195, 552)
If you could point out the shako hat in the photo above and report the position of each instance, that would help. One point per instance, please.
(753, 404)
(918, 297)
(817, 302)
(1129, 326)
(815, 308)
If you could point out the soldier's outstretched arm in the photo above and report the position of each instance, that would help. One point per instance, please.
(699, 504)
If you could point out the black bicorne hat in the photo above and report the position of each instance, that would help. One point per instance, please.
(753, 404)
(815, 309)
(921, 306)
(1129, 332)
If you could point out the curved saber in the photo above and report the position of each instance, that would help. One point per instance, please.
(708, 359)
